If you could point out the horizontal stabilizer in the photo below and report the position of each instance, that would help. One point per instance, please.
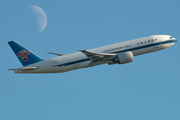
(59, 54)
(25, 68)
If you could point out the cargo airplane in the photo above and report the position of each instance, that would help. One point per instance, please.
(118, 53)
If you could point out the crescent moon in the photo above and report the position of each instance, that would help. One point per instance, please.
(41, 17)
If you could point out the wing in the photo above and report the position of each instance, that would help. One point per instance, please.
(54, 53)
(98, 57)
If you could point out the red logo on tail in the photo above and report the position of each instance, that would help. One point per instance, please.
(23, 54)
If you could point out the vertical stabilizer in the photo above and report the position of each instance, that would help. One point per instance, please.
(25, 56)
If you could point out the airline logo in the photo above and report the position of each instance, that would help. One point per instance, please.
(24, 55)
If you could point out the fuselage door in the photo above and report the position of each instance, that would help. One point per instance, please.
(160, 41)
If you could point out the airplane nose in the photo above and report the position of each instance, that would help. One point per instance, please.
(175, 40)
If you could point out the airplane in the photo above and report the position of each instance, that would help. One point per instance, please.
(119, 53)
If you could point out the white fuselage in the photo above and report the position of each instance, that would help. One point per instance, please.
(79, 60)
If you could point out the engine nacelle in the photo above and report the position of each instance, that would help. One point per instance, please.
(122, 58)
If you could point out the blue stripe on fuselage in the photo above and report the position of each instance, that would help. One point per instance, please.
(146, 46)
(131, 49)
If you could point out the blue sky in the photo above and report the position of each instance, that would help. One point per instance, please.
(148, 88)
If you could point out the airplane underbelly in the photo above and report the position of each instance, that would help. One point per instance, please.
(69, 67)
(84, 64)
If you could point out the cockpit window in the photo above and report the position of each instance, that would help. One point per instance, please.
(171, 37)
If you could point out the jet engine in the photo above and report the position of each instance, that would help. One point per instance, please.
(122, 58)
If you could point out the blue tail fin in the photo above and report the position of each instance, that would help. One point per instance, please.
(25, 56)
